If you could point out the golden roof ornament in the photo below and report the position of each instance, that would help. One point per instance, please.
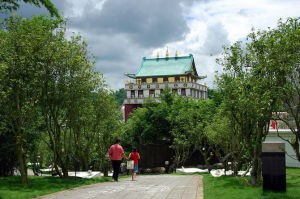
(167, 52)
(157, 55)
(176, 54)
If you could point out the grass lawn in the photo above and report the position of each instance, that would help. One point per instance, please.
(228, 187)
(10, 187)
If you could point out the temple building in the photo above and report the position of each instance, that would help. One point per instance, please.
(155, 74)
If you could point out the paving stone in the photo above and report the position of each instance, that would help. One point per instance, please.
(146, 187)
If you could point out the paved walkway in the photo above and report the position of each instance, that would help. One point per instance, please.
(146, 187)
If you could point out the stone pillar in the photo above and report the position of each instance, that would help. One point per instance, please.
(273, 166)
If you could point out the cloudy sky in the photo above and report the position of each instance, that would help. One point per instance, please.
(121, 32)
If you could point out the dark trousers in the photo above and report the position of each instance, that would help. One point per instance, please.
(116, 167)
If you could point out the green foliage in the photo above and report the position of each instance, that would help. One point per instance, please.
(51, 94)
(120, 95)
(22, 41)
(8, 157)
(179, 121)
(251, 95)
(279, 51)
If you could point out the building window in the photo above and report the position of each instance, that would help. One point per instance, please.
(149, 80)
(165, 79)
(176, 79)
(132, 94)
(183, 92)
(171, 79)
(160, 80)
(143, 80)
(140, 93)
(182, 79)
(151, 93)
(154, 80)
(161, 91)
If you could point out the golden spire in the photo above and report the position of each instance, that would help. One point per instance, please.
(176, 54)
(167, 52)
(157, 55)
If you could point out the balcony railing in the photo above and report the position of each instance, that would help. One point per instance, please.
(173, 85)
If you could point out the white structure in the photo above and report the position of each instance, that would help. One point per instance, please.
(290, 157)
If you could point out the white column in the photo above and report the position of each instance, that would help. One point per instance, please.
(128, 94)
(157, 93)
(188, 92)
(146, 93)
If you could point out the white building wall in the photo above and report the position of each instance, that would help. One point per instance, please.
(286, 134)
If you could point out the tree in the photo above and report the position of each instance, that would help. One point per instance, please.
(67, 81)
(120, 95)
(150, 123)
(21, 42)
(280, 48)
(182, 129)
(223, 135)
(249, 97)
(9, 5)
(178, 121)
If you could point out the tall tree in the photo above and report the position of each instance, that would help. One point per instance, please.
(280, 48)
(67, 81)
(249, 97)
(21, 43)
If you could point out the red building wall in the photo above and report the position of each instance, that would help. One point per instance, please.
(129, 108)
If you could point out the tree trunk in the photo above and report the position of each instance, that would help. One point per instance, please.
(256, 161)
(22, 164)
(65, 172)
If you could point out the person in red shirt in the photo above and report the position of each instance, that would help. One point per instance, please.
(115, 154)
(135, 156)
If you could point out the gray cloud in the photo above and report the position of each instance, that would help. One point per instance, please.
(123, 32)
(146, 23)
(216, 37)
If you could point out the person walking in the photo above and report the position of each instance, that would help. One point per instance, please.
(115, 154)
(135, 156)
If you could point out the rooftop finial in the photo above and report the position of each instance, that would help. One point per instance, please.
(176, 54)
(167, 52)
(157, 55)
